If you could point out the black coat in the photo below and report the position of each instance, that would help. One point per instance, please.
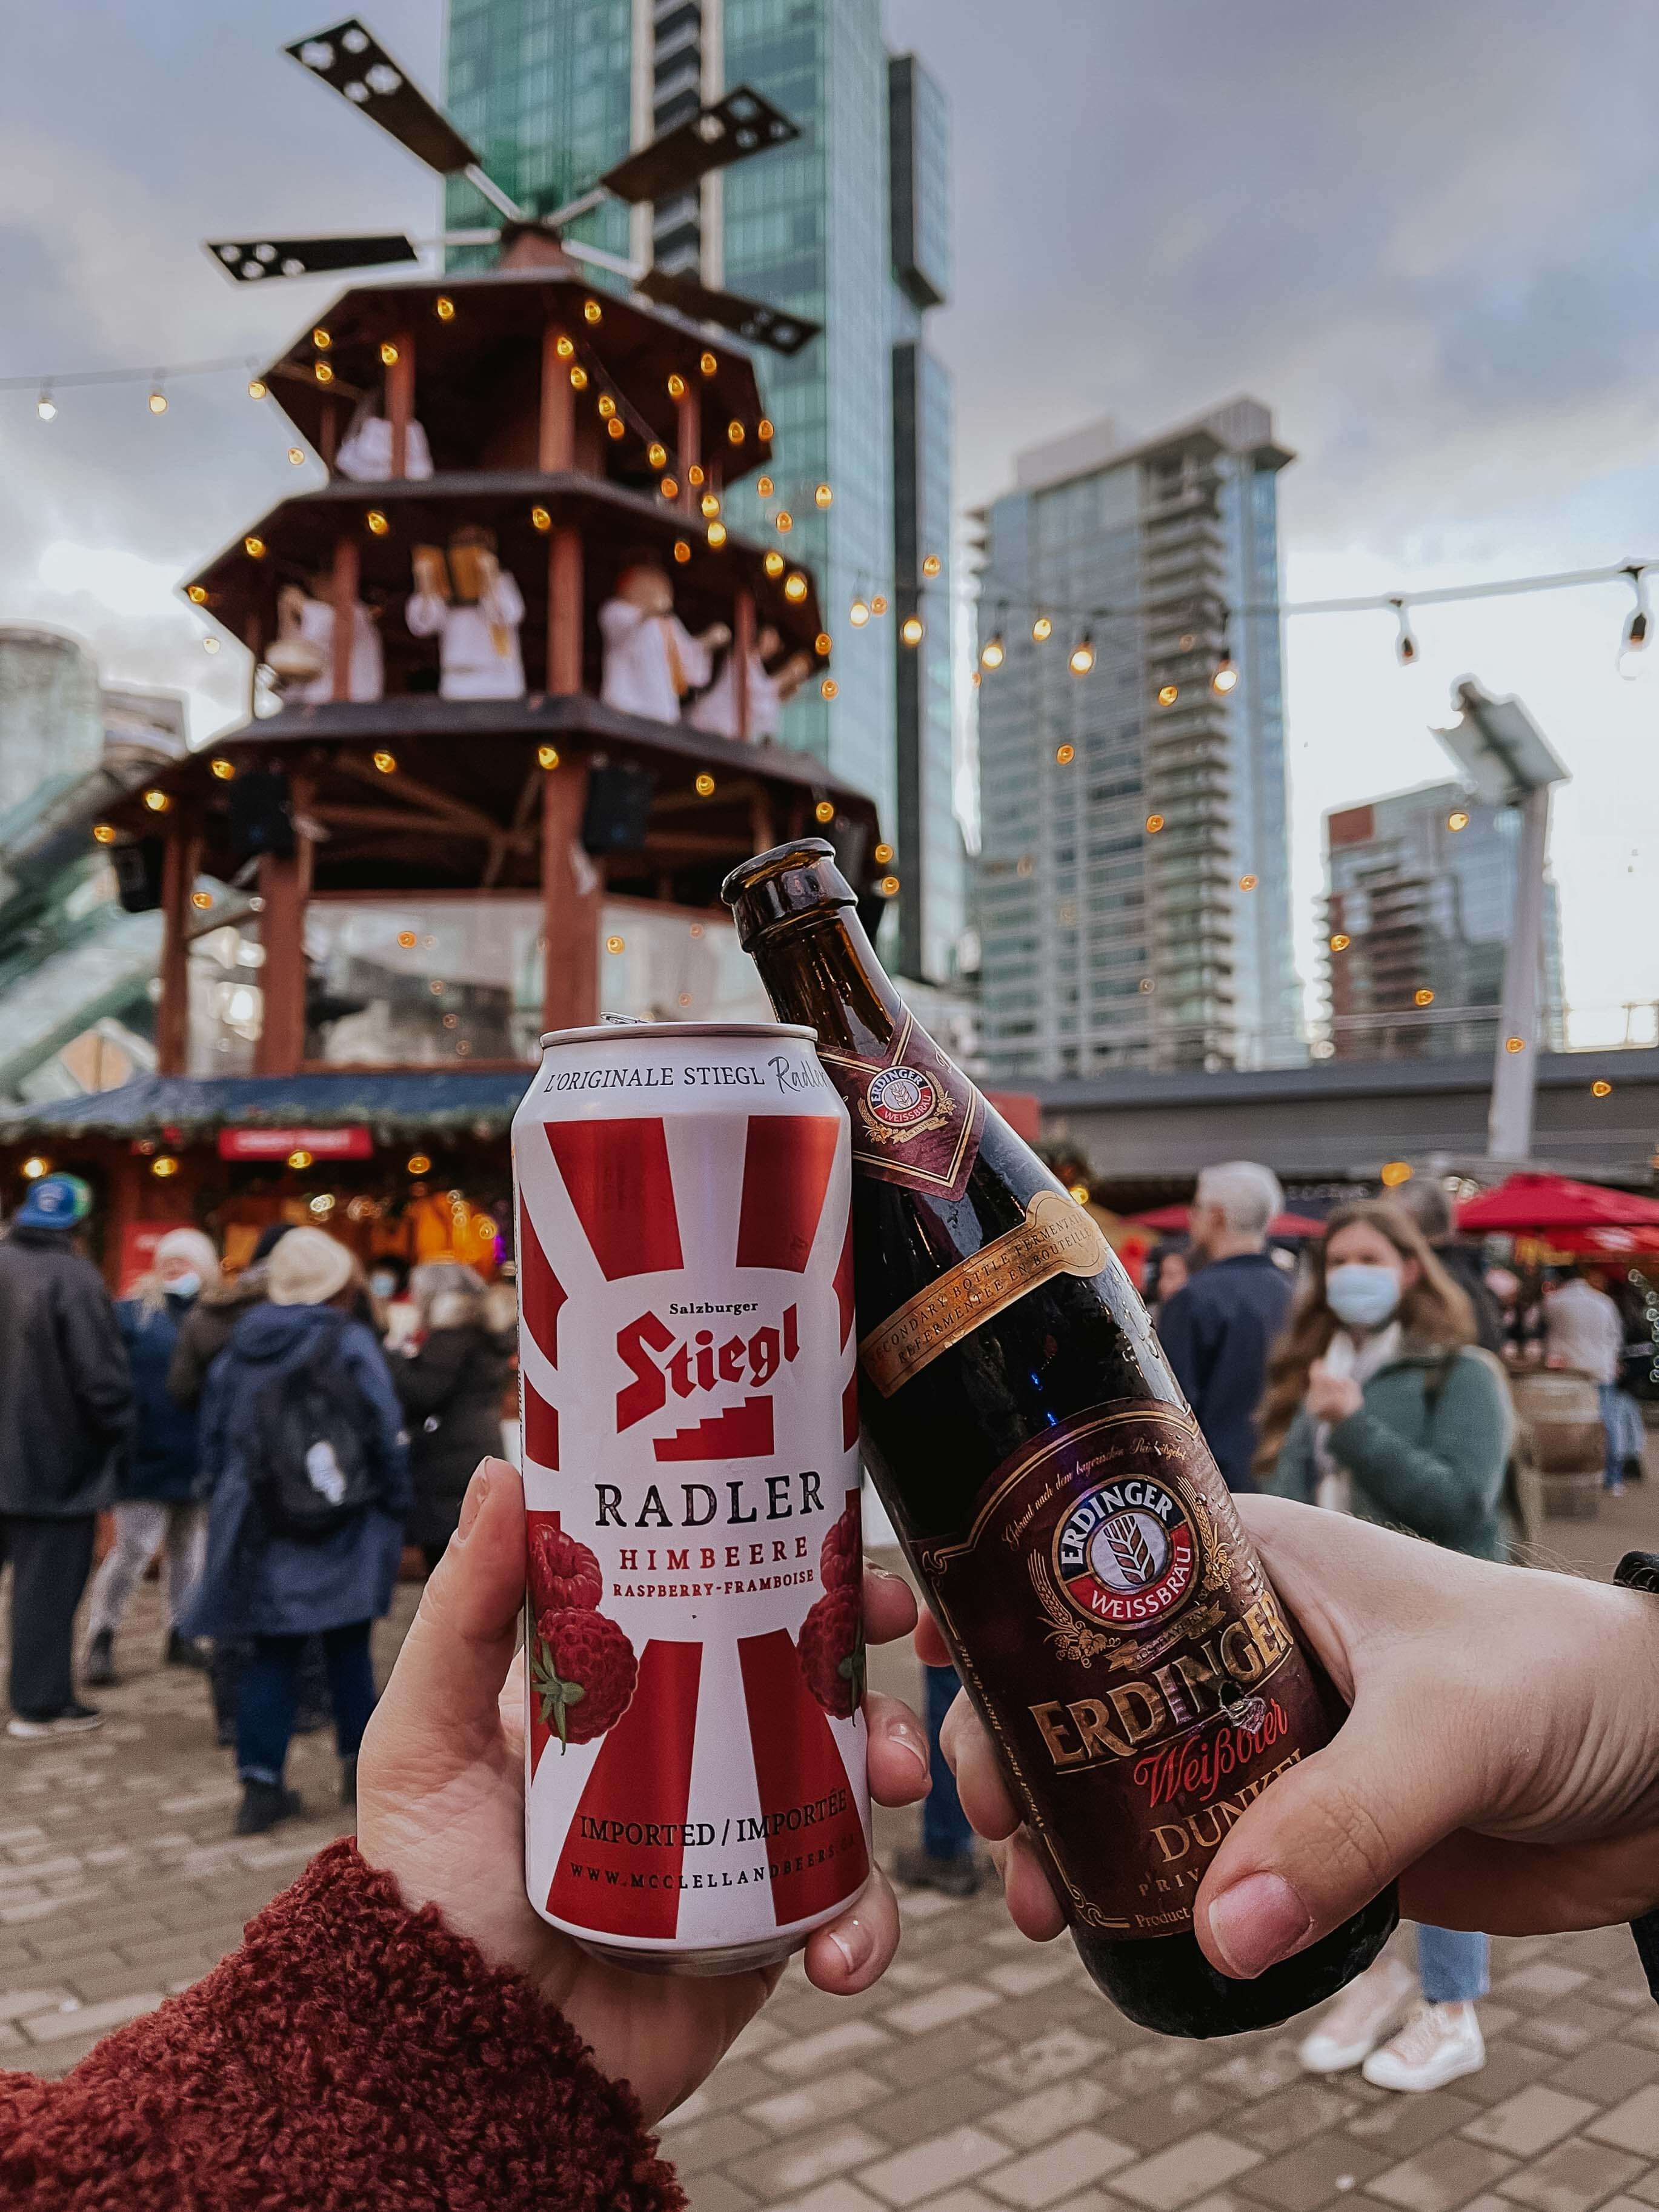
(65, 1387)
(206, 1330)
(1217, 1334)
(451, 1393)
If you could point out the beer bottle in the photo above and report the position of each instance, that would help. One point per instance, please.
(1108, 1615)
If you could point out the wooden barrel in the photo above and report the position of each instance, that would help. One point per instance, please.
(1563, 1413)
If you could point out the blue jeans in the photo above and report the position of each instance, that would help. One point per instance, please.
(266, 1699)
(1612, 1473)
(945, 1833)
(1451, 1964)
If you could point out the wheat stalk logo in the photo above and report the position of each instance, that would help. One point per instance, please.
(1130, 1549)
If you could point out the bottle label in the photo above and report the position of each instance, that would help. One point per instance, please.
(1112, 1622)
(1057, 1238)
(916, 1118)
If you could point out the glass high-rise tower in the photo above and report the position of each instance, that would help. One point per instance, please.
(848, 225)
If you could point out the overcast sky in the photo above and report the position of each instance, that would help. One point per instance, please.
(1424, 235)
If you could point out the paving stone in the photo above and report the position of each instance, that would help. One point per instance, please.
(1572, 2178)
(1185, 2171)
(1280, 2122)
(1045, 2058)
(1530, 2121)
(718, 2193)
(954, 2098)
(18, 2004)
(1400, 2125)
(1569, 2026)
(1059, 2169)
(851, 2038)
(711, 2141)
(841, 2196)
(59, 2027)
(1632, 2125)
(1314, 2173)
(785, 2110)
(1149, 2120)
(1047, 2113)
(1445, 2175)
(1543, 1982)
(1510, 2066)
(940, 2007)
(791, 2168)
(932, 2057)
(936, 2163)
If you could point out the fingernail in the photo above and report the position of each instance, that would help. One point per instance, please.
(881, 1574)
(472, 1504)
(1257, 1921)
(853, 1941)
(910, 1739)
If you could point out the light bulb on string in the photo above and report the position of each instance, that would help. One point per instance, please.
(857, 614)
(1638, 625)
(1083, 655)
(157, 402)
(1042, 630)
(1405, 645)
(992, 654)
(45, 407)
(911, 629)
(1225, 677)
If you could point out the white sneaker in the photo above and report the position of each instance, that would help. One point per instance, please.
(1357, 2023)
(1440, 2043)
(74, 1720)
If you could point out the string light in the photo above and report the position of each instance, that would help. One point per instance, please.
(696, 475)
(657, 455)
(764, 487)
(825, 811)
(717, 535)
(444, 307)
(547, 756)
(1225, 677)
(932, 565)
(1515, 1045)
(1154, 823)
(704, 786)
(564, 346)
(1405, 645)
(822, 643)
(1083, 655)
(158, 401)
(592, 311)
(388, 353)
(676, 386)
(830, 688)
(377, 525)
(104, 832)
(157, 801)
(763, 429)
(735, 433)
(34, 1167)
(616, 427)
(258, 388)
(857, 614)
(883, 854)
(300, 1159)
(578, 378)
(45, 406)
(1248, 883)
(297, 455)
(607, 406)
(321, 339)
(1633, 640)
(210, 645)
(1168, 694)
(669, 487)
(710, 504)
(615, 943)
(889, 886)
(991, 653)
(1423, 997)
(323, 374)
(254, 547)
(1457, 819)
(1042, 630)
(823, 495)
(419, 1165)
(164, 1165)
(795, 589)
(540, 519)
(1340, 942)
(386, 762)
(911, 629)
(682, 550)
(224, 769)
(878, 605)
(708, 364)
(1065, 755)
(775, 564)
(1598, 1090)
(1393, 1173)
(784, 521)
(201, 901)
(196, 593)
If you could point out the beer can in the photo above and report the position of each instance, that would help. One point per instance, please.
(695, 1796)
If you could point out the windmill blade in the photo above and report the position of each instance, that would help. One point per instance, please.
(617, 263)
(246, 260)
(353, 61)
(752, 319)
(738, 125)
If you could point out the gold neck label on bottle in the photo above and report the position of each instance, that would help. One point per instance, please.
(1057, 1238)
(916, 1119)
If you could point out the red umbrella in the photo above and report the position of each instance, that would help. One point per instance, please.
(1170, 1220)
(1603, 1243)
(1531, 1203)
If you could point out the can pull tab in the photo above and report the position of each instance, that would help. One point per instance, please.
(623, 1021)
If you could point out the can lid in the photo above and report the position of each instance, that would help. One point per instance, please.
(622, 1033)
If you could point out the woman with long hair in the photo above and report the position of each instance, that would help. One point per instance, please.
(450, 1387)
(1379, 1404)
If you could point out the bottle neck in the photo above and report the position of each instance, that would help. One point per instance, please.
(822, 970)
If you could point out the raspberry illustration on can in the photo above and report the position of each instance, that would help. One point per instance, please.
(695, 1798)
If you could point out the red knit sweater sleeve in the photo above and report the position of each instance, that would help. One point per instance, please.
(351, 2056)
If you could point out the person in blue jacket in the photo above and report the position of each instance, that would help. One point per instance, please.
(277, 1589)
(156, 1502)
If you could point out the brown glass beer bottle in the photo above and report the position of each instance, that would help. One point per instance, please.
(1108, 1616)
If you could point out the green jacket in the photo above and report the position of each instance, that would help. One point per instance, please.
(1439, 1472)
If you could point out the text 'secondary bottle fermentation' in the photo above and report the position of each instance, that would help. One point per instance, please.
(1108, 1614)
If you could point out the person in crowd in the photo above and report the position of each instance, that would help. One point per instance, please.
(65, 1409)
(207, 1328)
(947, 1860)
(1582, 1328)
(1377, 1405)
(451, 1388)
(475, 2054)
(156, 1505)
(1216, 1332)
(1169, 1270)
(302, 1442)
(388, 1284)
(1426, 1203)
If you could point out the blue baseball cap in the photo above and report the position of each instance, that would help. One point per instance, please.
(57, 1201)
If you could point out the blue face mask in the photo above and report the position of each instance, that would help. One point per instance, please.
(184, 1287)
(1363, 1295)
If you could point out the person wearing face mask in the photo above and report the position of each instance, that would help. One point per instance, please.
(155, 1505)
(1379, 1404)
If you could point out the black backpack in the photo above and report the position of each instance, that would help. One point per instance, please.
(307, 1464)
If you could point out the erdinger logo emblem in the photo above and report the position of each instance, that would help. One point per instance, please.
(902, 1103)
(1127, 1553)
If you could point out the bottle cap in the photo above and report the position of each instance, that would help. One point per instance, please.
(799, 878)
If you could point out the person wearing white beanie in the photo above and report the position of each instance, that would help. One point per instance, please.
(156, 1506)
(302, 1445)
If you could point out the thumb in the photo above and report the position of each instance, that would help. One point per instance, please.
(1330, 1834)
(454, 1659)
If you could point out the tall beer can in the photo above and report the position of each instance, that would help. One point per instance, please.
(695, 1797)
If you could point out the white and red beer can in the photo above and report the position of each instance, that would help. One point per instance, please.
(695, 1796)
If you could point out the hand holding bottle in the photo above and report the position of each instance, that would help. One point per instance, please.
(1501, 1758)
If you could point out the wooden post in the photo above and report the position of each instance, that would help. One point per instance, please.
(329, 433)
(690, 443)
(570, 916)
(564, 613)
(181, 851)
(253, 639)
(558, 422)
(284, 887)
(400, 399)
(743, 652)
(763, 826)
(347, 562)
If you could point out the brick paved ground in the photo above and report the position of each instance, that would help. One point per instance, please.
(983, 2074)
